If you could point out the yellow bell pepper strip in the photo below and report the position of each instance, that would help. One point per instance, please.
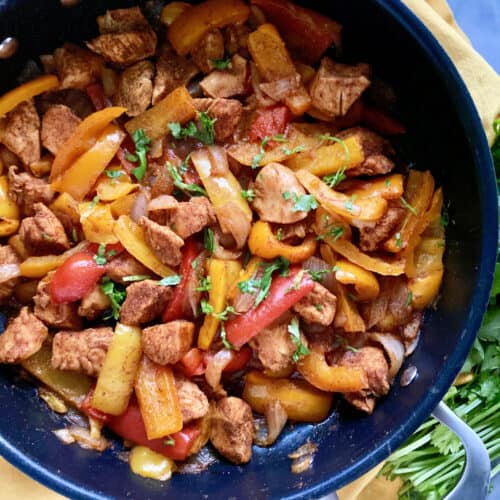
(263, 243)
(176, 107)
(321, 375)
(66, 208)
(115, 383)
(9, 211)
(189, 27)
(42, 167)
(224, 190)
(330, 158)
(73, 387)
(131, 236)
(274, 63)
(158, 401)
(148, 463)
(365, 283)
(365, 209)
(418, 195)
(389, 187)
(171, 11)
(217, 272)
(233, 270)
(347, 316)
(81, 176)
(328, 224)
(301, 401)
(123, 205)
(26, 91)
(424, 289)
(113, 188)
(244, 275)
(97, 222)
(17, 244)
(83, 138)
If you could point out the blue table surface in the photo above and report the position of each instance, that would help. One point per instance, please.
(480, 19)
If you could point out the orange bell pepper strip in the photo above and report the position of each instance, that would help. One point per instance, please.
(331, 224)
(83, 138)
(189, 27)
(321, 375)
(347, 316)
(301, 401)
(158, 400)
(365, 283)
(26, 91)
(263, 243)
(171, 11)
(389, 187)
(418, 195)
(365, 209)
(81, 176)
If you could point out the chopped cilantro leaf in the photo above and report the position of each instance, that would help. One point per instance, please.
(136, 277)
(221, 64)
(295, 150)
(193, 189)
(223, 337)
(206, 308)
(333, 179)
(294, 331)
(279, 234)
(205, 284)
(409, 298)
(399, 242)
(113, 174)
(100, 257)
(116, 294)
(332, 231)
(170, 441)
(349, 203)
(173, 280)
(205, 133)
(408, 206)
(208, 240)
(302, 203)
(247, 194)
(142, 142)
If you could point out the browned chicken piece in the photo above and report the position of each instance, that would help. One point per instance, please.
(20, 132)
(77, 100)
(232, 430)
(192, 400)
(76, 67)
(274, 347)
(227, 83)
(81, 351)
(135, 88)
(210, 48)
(275, 188)
(376, 149)
(94, 304)
(162, 209)
(145, 301)
(43, 233)
(159, 179)
(227, 112)
(58, 124)
(372, 361)
(120, 20)
(22, 338)
(297, 230)
(164, 242)
(52, 314)
(125, 265)
(318, 306)
(278, 90)
(165, 344)
(337, 86)
(236, 38)
(409, 332)
(27, 190)
(371, 235)
(125, 48)
(172, 71)
(8, 257)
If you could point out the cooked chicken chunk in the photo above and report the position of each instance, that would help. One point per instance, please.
(276, 188)
(27, 191)
(52, 314)
(227, 112)
(145, 301)
(232, 429)
(135, 88)
(227, 83)
(337, 86)
(162, 209)
(372, 361)
(94, 304)
(125, 265)
(43, 233)
(159, 179)
(76, 67)
(210, 48)
(77, 100)
(121, 20)
(318, 306)
(58, 124)
(236, 38)
(164, 242)
(22, 338)
(172, 71)
(192, 400)
(20, 132)
(165, 344)
(8, 257)
(81, 351)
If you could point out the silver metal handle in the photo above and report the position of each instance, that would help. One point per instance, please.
(476, 475)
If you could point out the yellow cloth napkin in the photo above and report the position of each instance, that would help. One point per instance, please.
(484, 86)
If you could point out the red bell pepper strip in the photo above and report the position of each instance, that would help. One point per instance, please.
(75, 278)
(193, 362)
(307, 33)
(269, 122)
(239, 361)
(283, 294)
(381, 122)
(175, 308)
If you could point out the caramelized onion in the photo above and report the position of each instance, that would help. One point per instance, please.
(219, 251)
(317, 264)
(140, 206)
(82, 436)
(8, 272)
(215, 366)
(394, 349)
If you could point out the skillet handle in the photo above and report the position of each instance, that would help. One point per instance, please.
(476, 475)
